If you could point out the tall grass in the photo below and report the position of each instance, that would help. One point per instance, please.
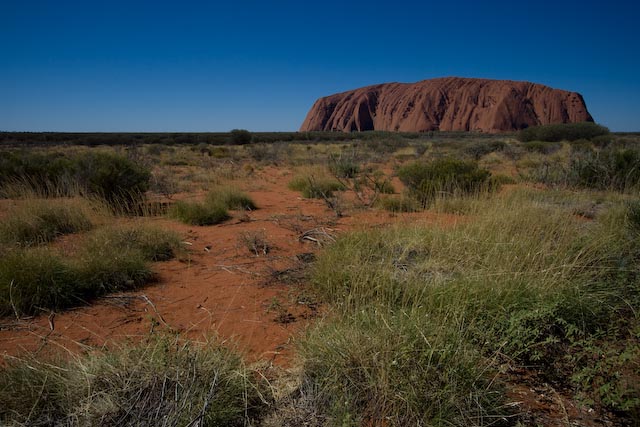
(523, 279)
(162, 381)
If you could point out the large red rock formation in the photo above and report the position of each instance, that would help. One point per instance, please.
(448, 104)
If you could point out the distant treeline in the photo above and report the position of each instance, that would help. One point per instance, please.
(214, 138)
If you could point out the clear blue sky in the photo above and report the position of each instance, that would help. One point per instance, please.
(259, 65)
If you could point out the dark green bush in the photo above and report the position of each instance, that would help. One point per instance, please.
(542, 147)
(111, 176)
(111, 259)
(479, 149)
(34, 279)
(240, 136)
(343, 166)
(230, 198)
(41, 221)
(610, 168)
(562, 132)
(315, 188)
(198, 213)
(425, 181)
(398, 204)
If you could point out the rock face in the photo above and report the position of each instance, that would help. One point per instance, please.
(447, 104)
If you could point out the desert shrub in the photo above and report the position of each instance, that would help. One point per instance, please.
(479, 149)
(153, 243)
(542, 147)
(116, 178)
(312, 186)
(562, 132)
(230, 198)
(610, 168)
(240, 136)
(343, 166)
(41, 220)
(113, 177)
(399, 203)
(33, 279)
(161, 381)
(109, 259)
(198, 213)
(427, 180)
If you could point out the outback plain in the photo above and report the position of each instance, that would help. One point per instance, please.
(321, 278)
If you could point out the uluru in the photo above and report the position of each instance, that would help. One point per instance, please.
(446, 104)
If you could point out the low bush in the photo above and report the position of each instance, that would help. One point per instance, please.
(399, 203)
(607, 169)
(562, 132)
(343, 166)
(479, 149)
(108, 260)
(115, 178)
(161, 381)
(315, 187)
(195, 213)
(230, 198)
(36, 279)
(542, 147)
(40, 220)
(425, 181)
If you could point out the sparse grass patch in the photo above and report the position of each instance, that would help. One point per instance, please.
(162, 381)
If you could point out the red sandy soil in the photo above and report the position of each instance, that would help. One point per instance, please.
(219, 287)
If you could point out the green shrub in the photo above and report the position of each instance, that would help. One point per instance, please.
(315, 188)
(479, 149)
(198, 213)
(608, 169)
(542, 147)
(153, 243)
(343, 166)
(425, 181)
(230, 198)
(399, 203)
(115, 178)
(109, 259)
(240, 136)
(40, 221)
(34, 279)
(562, 132)
(161, 381)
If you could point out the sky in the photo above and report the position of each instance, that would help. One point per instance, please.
(196, 66)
